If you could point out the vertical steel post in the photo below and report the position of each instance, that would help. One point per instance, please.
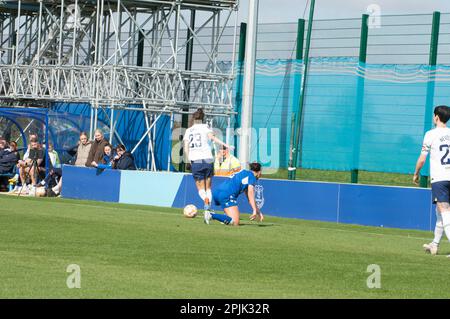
(245, 140)
(296, 146)
(296, 119)
(140, 56)
(187, 84)
(239, 75)
(360, 96)
(431, 80)
(140, 49)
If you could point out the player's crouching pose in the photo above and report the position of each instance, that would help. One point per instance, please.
(226, 195)
(437, 143)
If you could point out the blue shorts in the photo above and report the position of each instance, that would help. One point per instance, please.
(201, 170)
(223, 199)
(440, 192)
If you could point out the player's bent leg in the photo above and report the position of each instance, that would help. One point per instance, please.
(223, 218)
(200, 184)
(229, 206)
(208, 182)
(208, 189)
(233, 212)
(200, 181)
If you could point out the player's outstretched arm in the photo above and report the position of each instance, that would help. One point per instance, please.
(420, 162)
(251, 200)
(213, 138)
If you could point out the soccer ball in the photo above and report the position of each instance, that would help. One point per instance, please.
(190, 211)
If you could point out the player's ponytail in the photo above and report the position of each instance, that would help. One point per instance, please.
(198, 115)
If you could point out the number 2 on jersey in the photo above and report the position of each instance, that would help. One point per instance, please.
(444, 159)
(197, 142)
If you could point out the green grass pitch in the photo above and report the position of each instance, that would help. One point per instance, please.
(128, 251)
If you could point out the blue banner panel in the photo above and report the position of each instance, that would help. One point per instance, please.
(91, 183)
(149, 188)
(305, 200)
(396, 207)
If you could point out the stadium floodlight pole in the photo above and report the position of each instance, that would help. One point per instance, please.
(431, 81)
(296, 146)
(249, 82)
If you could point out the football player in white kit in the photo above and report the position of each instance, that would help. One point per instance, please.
(197, 149)
(437, 143)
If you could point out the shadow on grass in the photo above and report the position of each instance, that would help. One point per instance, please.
(258, 225)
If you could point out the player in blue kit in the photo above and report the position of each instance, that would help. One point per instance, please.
(226, 195)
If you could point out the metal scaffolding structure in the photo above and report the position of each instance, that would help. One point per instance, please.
(117, 55)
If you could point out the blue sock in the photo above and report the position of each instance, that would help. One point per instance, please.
(222, 218)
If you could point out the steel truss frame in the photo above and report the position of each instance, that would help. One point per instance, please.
(92, 51)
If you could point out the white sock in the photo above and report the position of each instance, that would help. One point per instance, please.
(209, 195)
(446, 223)
(439, 229)
(202, 194)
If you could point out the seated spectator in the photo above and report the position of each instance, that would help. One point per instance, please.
(123, 160)
(53, 156)
(96, 152)
(107, 160)
(8, 159)
(13, 149)
(31, 137)
(55, 171)
(225, 163)
(83, 150)
(31, 166)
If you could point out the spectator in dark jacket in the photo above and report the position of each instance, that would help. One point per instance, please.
(97, 148)
(123, 160)
(13, 149)
(8, 159)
